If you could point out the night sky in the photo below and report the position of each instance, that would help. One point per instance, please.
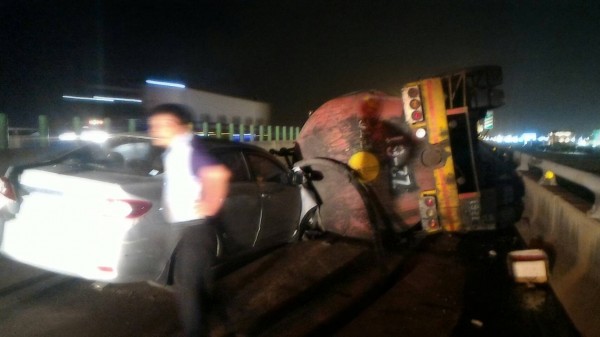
(296, 55)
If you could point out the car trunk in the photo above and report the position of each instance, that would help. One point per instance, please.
(88, 220)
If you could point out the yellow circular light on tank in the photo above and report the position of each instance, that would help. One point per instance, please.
(366, 164)
(549, 175)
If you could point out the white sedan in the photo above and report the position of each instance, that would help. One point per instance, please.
(96, 212)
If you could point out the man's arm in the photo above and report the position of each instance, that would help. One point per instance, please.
(215, 186)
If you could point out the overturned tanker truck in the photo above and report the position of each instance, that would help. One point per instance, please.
(386, 164)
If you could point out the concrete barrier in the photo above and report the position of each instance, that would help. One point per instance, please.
(588, 180)
(572, 241)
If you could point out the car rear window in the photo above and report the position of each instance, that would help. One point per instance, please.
(129, 156)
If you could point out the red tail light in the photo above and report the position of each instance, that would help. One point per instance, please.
(6, 189)
(130, 209)
(106, 269)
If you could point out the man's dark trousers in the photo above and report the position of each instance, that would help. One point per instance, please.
(194, 256)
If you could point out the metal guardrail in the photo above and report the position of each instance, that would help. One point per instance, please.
(585, 179)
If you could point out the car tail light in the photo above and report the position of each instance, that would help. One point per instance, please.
(129, 209)
(6, 189)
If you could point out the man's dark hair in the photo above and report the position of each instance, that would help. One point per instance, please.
(181, 112)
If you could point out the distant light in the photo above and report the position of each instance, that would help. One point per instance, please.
(96, 122)
(96, 136)
(104, 99)
(166, 84)
(68, 136)
(562, 133)
(88, 98)
(528, 137)
(119, 99)
(583, 142)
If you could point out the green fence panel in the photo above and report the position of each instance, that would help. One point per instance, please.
(269, 133)
(261, 133)
(230, 130)
(77, 125)
(205, 129)
(241, 132)
(3, 132)
(251, 131)
(43, 130)
(218, 130)
(131, 126)
(107, 124)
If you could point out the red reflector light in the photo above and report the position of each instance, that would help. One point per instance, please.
(429, 202)
(417, 115)
(105, 269)
(6, 189)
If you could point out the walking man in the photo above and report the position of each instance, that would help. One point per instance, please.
(195, 185)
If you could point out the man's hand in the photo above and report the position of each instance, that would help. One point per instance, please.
(215, 186)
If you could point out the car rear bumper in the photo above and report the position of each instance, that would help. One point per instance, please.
(97, 255)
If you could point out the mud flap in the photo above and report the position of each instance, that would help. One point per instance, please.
(349, 208)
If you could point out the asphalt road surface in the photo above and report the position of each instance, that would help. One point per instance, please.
(36, 303)
(448, 285)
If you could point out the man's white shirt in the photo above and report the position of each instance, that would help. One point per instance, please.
(182, 187)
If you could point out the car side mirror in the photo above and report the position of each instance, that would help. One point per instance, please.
(296, 177)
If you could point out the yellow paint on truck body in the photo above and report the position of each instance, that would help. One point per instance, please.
(436, 123)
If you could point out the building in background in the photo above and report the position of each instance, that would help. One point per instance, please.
(209, 107)
(131, 101)
(561, 137)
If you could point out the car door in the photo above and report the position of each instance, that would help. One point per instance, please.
(280, 201)
(241, 211)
